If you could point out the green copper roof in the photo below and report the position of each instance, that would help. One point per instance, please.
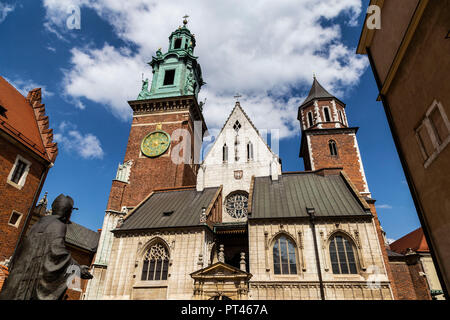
(175, 72)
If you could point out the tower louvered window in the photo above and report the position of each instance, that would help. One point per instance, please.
(342, 256)
(333, 148)
(310, 119)
(327, 114)
(156, 263)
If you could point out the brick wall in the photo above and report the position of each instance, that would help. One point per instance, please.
(148, 174)
(12, 198)
(409, 282)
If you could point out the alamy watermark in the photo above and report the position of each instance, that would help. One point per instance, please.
(373, 20)
(73, 21)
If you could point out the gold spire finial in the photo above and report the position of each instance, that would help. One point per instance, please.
(185, 21)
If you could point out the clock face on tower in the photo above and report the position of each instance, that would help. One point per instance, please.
(155, 144)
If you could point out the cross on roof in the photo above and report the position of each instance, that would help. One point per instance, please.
(237, 96)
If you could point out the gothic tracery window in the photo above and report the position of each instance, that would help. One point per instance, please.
(342, 255)
(236, 205)
(284, 260)
(156, 263)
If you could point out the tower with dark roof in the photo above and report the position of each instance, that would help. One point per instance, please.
(327, 138)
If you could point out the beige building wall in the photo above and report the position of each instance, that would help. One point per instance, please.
(305, 285)
(123, 278)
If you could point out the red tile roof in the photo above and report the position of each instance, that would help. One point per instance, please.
(414, 240)
(25, 120)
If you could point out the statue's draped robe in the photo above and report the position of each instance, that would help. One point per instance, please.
(38, 271)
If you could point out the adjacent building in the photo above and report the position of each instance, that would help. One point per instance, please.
(415, 276)
(27, 152)
(408, 56)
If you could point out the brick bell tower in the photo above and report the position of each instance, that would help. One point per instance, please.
(329, 142)
(155, 140)
(158, 113)
(327, 139)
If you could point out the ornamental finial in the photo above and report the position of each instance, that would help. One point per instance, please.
(185, 21)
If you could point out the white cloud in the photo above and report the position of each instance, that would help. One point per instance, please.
(5, 9)
(87, 146)
(24, 86)
(384, 206)
(263, 49)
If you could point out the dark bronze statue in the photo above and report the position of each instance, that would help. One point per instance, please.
(42, 265)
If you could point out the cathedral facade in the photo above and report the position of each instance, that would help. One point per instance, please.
(235, 226)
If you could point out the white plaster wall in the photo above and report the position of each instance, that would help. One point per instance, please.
(216, 172)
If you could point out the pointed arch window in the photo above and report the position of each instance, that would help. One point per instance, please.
(225, 153)
(342, 255)
(310, 119)
(284, 258)
(326, 111)
(249, 151)
(156, 263)
(333, 148)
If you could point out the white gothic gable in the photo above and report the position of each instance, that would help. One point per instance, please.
(241, 162)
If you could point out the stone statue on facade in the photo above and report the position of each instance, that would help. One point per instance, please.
(144, 94)
(42, 267)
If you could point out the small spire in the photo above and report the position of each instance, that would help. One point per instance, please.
(314, 75)
(237, 96)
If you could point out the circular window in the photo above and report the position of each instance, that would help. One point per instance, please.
(237, 205)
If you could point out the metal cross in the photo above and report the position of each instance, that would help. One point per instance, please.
(237, 96)
(185, 19)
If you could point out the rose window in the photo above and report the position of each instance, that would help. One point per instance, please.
(237, 205)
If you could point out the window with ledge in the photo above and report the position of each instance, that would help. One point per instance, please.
(341, 118)
(284, 257)
(169, 77)
(156, 263)
(19, 172)
(326, 111)
(14, 219)
(310, 119)
(342, 255)
(333, 148)
(433, 133)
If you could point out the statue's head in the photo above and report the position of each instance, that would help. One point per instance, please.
(62, 207)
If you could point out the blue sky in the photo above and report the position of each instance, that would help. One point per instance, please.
(266, 51)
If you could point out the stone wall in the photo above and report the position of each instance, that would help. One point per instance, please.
(123, 278)
(305, 284)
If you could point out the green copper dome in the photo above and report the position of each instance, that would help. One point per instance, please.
(176, 72)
